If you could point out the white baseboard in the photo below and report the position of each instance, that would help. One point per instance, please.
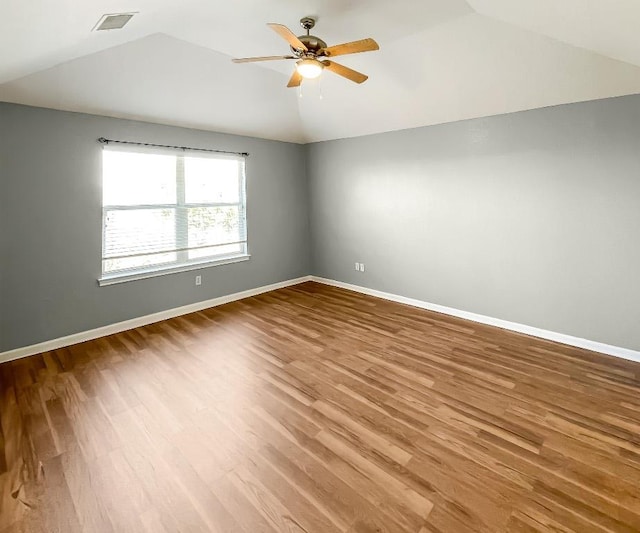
(616, 351)
(103, 331)
(623, 353)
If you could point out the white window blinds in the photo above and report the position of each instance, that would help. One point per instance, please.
(166, 208)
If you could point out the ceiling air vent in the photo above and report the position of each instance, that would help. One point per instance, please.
(113, 21)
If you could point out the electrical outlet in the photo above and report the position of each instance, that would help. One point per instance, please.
(357, 266)
(361, 267)
(198, 280)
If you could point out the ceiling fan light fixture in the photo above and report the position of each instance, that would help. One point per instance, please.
(309, 68)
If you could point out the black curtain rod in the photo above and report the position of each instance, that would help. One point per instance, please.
(102, 140)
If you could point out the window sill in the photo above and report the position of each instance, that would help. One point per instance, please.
(123, 277)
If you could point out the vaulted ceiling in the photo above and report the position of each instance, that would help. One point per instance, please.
(440, 61)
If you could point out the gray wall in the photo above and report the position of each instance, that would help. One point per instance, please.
(50, 224)
(532, 217)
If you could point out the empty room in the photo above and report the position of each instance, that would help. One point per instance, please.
(320, 266)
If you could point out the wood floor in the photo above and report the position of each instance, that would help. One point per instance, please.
(317, 409)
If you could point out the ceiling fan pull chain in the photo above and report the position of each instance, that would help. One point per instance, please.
(300, 91)
(320, 89)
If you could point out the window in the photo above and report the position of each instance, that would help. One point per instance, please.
(166, 211)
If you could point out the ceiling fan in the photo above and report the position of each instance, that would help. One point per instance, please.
(309, 50)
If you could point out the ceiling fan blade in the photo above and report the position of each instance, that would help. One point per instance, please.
(355, 47)
(265, 58)
(288, 36)
(296, 79)
(345, 72)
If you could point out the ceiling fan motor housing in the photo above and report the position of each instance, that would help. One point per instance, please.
(314, 45)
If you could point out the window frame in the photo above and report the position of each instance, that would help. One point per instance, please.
(181, 263)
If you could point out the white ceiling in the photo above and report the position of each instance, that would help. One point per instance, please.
(440, 61)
